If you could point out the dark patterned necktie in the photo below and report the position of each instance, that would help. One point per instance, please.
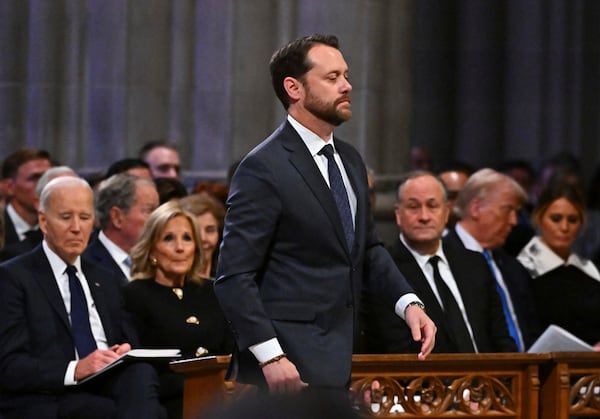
(340, 195)
(80, 317)
(454, 317)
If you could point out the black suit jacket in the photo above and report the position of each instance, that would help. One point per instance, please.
(10, 233)
(284, 267)
(12, 245)
(519, 285)
(36, 343)
(385, 334)
(97, 253)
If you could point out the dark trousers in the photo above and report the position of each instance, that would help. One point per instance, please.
(131, 392)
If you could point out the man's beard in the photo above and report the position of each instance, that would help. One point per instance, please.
(328, 112)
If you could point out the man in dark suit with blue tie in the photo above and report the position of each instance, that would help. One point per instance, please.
(487, 206)
(299, 242)
(61, 320)
(454, 283)
(123, 204)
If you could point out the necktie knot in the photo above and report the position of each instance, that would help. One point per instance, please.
(71, 270)
(127, 261)
(327, 151)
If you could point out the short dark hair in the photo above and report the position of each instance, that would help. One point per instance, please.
(290, 61)
(151, 145)
(11, 164)
(123, 165)
(169, 188)
(420, 173)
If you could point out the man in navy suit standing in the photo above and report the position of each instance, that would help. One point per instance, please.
(299, 243)
(61, 321)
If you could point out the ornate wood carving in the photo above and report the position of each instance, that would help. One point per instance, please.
(468, 395)
(585, 395)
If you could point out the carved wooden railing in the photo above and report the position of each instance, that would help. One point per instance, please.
(571, 385)
(400, 386)
(448, 385)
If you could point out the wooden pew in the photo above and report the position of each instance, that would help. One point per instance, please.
(571, 385)
(444, 385)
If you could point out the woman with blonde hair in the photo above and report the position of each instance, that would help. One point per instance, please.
(172, 305)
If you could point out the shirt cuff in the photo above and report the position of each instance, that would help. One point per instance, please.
(70, 374)
(403, 302)
(266, 350)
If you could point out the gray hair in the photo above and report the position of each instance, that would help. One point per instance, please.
(50, 174)
(116, 191)
(480, 184)
(61, 182)
(420, 173)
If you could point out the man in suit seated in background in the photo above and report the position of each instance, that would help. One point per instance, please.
(162, 158)
(454, 283)
(21, 171)
(123, 204)
(61, 320)
(487, 206)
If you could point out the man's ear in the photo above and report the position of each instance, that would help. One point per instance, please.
(397, 213)
(42, 221)
(294, 88)
(8, 186)
(475, 208)
(116, 217)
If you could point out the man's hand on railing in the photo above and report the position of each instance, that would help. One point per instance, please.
(422, 328)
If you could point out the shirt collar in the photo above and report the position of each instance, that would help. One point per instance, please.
(423, 260)
(118, 254)
(539, 259)
(468, 241)
(313, 142)
(21, 226)
(56, 263)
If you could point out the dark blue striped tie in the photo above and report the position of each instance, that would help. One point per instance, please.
(80, 317)
(340, 195)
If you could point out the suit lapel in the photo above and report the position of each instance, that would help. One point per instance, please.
(96, 284)
(45, 278)
(304, 163)
(413, 273)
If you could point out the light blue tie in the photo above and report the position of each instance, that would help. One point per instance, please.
(512, 326)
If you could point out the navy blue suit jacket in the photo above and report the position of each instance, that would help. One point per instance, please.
(36, 343)
(97, 253)
(284, 267)
(384, 334)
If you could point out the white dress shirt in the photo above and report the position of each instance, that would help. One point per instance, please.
(447, 277)
(21, 226)
(62, 281)
(118, 254)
